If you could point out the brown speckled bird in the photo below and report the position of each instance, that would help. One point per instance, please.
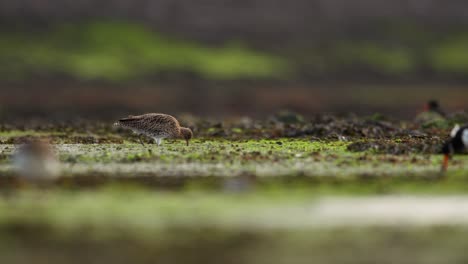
(157, 126)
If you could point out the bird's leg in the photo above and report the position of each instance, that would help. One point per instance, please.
(141, 141)
(445, 163)
(158, 141)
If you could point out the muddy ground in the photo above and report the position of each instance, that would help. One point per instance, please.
(284, 146)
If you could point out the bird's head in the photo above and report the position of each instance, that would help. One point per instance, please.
(432, 105)
(186, 133)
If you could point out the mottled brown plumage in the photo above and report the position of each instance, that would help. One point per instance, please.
(157, 126)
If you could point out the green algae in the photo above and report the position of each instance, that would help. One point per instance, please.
(266, 159)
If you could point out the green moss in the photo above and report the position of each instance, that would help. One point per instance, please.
(438, 123)
(222, 158)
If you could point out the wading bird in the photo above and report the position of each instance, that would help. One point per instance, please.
(458, 143)
(157, 126)
(432, 113)
(434, 107)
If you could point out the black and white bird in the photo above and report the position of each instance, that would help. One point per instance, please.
(458, 143)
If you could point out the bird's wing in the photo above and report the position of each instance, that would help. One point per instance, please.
(162, 123)
(156, 123)
(132, 118)
(454, 131)
(132, 121)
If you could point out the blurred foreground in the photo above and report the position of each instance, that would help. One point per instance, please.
(122, 225)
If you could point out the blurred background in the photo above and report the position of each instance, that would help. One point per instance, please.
(101, 59)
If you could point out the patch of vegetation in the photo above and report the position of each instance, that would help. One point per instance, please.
(121, 51)
(279, 158)
(392, 48)
(200, 150)
(451, 55)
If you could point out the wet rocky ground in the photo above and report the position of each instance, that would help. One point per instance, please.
(283, 145)
(426, 129)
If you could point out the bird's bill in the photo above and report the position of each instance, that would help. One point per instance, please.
(187, 141)
(445, 162)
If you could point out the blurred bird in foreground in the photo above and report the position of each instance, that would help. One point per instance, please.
(36, 160)
(157, 126)
(458, 143)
